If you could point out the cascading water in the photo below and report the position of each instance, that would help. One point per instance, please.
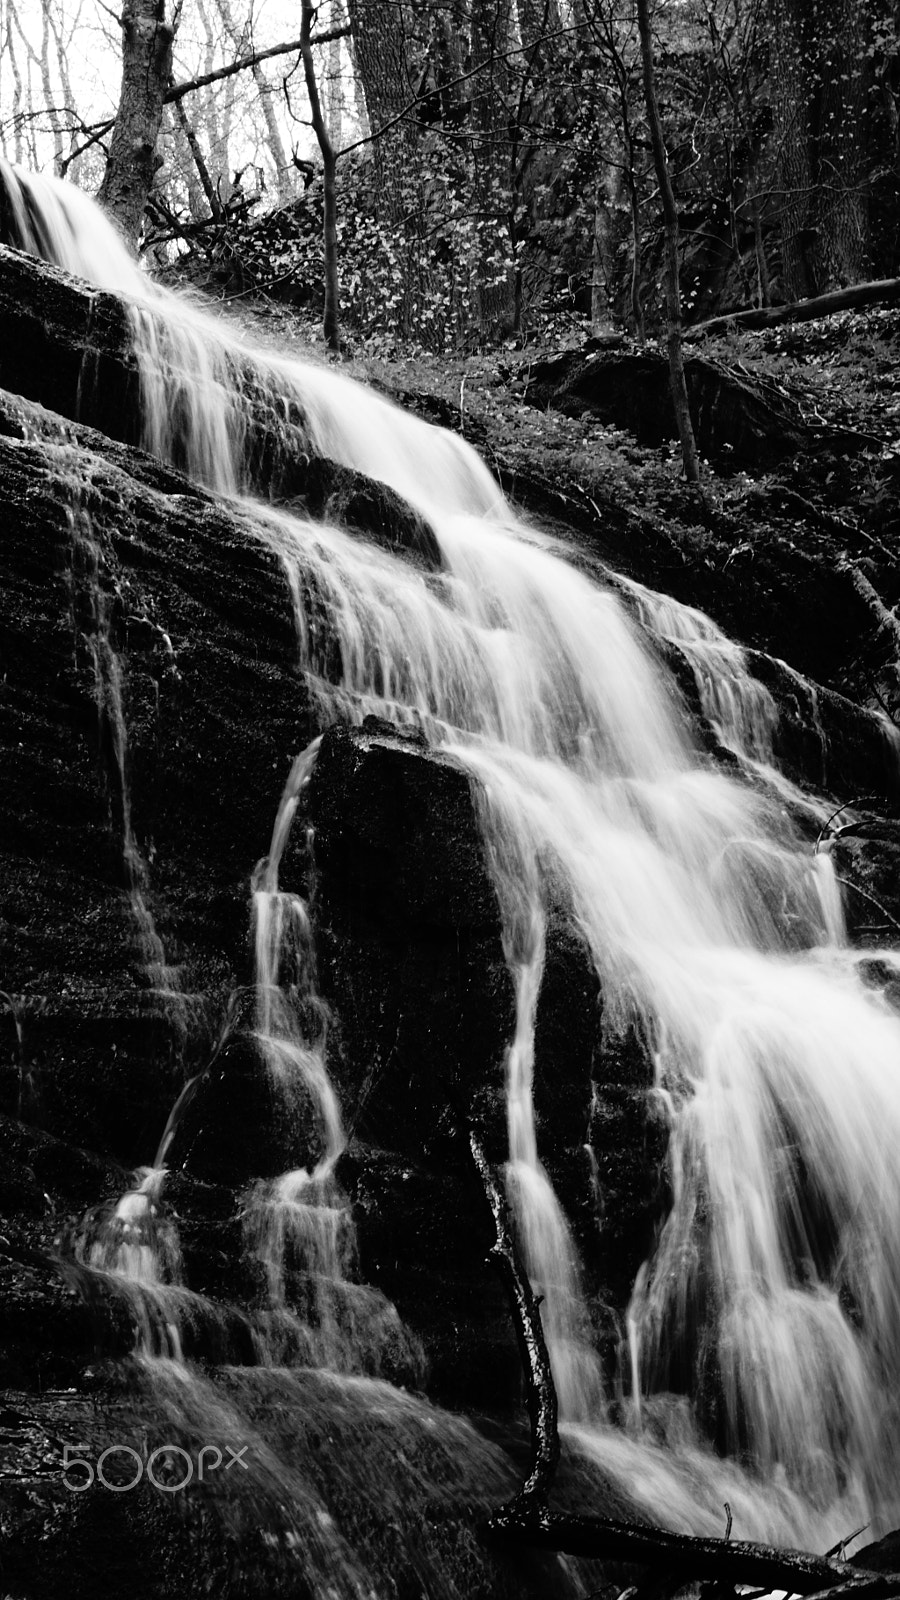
(774, 1290)
(300, 1227)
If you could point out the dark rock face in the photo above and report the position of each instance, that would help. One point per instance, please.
(197, 628)
(115, 567)
(152, 704)
(409, 925)
(738, 421)
(66, 345)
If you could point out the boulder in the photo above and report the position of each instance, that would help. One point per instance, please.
(740, 422)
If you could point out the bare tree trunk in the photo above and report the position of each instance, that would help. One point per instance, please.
(183, 163)
(25, 145)
(193, 143)
(603, 247)
(47, 86)
(334, 89)
(821, 76)
(147, 37)
(65, 80)
(283, 184)
(206, 115)
(689, 456)
(331, 319)
(379, 34)
(494, 277)
(339, 12)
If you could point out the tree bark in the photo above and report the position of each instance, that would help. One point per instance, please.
(379, 39)
(689, 456)
(821, 74)
(494, 272)
(378, 31)
(331, 318)
(147, 38)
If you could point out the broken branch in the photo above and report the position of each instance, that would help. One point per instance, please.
(540, 1392)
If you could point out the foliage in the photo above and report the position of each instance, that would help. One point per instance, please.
(507, 186)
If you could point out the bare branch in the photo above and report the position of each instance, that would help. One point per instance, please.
(292, 47)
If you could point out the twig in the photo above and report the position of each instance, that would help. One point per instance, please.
(862, 800)
(839, 1548)
(847, 883)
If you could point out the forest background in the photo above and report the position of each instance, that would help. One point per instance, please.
(494, 162)
(528, 203)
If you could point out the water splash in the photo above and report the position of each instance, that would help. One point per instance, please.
(132, 1250)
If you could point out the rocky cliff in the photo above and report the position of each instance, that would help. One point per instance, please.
(152, 704)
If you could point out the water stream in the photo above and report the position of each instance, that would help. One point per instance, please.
(773, 1294)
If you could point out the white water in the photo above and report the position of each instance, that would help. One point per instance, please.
(300, 1227)
(774, 1293)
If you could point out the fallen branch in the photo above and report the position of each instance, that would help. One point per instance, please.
(860, 294)
(721, 1560)
(676, 1558)
(540, 1392)
(887, 621)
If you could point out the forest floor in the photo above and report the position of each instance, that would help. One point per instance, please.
(774, 555)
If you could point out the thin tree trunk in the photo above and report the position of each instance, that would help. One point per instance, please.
(147, 37)
(206, 183)
(689, 456)
(334, 97)
(183, 163)
(331, 319)
(16, 118)
(603, 248)
(65, 80)
(494, 273)
(283, 185)
(47, 86)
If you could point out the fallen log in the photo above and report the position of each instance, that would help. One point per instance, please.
(694, 1559)
(880, 291)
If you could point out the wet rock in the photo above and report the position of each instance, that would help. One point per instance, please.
(69, 346)
(350, 1486)
(336, 494)
(408, 929)
(66, 345)
(91, 545)
(826, 741)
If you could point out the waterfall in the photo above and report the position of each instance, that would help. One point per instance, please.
(300, 1227)
(773, 1292)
